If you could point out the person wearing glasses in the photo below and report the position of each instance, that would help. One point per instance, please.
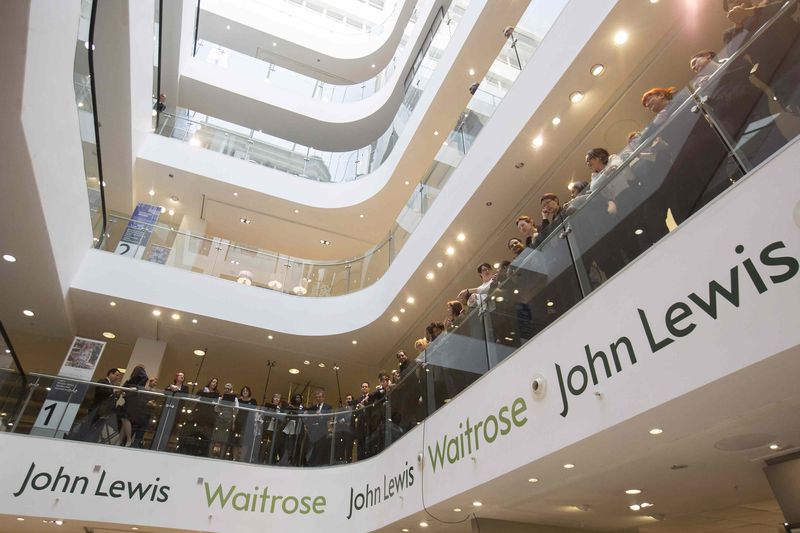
(551, 214)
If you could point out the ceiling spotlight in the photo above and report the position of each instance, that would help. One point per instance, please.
(151, 192)
(461, 237)
(296, 211)
(270, 337)
(576, 97)
(556, 121)
(194, 321)
(294, 371)
(112, 303)
(80, 104)
(406, 182)
(450, 250)
(361, 216)
(634, 507)
(656, 431)
(321, 365)
(472, 72)
(200, 352)
(395, 318)
(176, 316)
(355, 342)
(236, 194)
(274, 43)
(550, 303)
(404, 530)
(306, 362)
(171, 212)
(569, 466)
(633, 491)
(436, 132)
(410, 300)
(774, 447)
(597, 69)
(439, 264)
(162, 209)
(476, 504)
(10, 258)
(457, 509)
(423, 524)
(27, 312)
(638, 231)
(537, 141)
(324, 242)
(653, 1)
(109, 335)
(429, 276)
(645, 505)
(228, 27)
(156, 312)
(402, 309)
(621, 37)
(533, 480)
(245, 220)
(373, 65)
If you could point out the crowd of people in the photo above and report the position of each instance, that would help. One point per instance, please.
(232, 425)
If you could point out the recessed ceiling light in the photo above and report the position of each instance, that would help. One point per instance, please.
(171, 212)
(176, 316)
(645, 505)
(321, 365)
(439, 264)
(296, 211)
(236, 194)
(10, 258)
(537, 142)
(58, 522)
(270, 337)
(457, 509)
(550, 303)
(324, 242)
(402, 309)
(294, 371)
(151, 192)
(472, 72)
(404, 530)
(576, 97)
(355, 342)
(634, 507)
(533, 480)
(410, 300)
(395, 318)
(597, 69)
(361, 216)
(476, 504)
(194, 321)
(109, 335)
(199, 352)
(774, 447)
(228, 27)
(274, 43)
(406, 182)
(621, 37)
(461, 237)
(436, 132)
(80, 104)
(162, 209)
(174, 198)
(633, 491)
(306, 362)
(656, 431)
(423, 524)
(653, 1)
(156, 312)
(556, 121)
(429, 276)
(569, 466)
(450, 250)
(20, 519)
(638, 231)
(27, 312)
(135, 528)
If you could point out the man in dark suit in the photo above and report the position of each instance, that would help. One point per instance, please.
(102, 395)
(319, 431)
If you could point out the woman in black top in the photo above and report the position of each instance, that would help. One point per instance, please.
(178, 384)
(243, 424)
